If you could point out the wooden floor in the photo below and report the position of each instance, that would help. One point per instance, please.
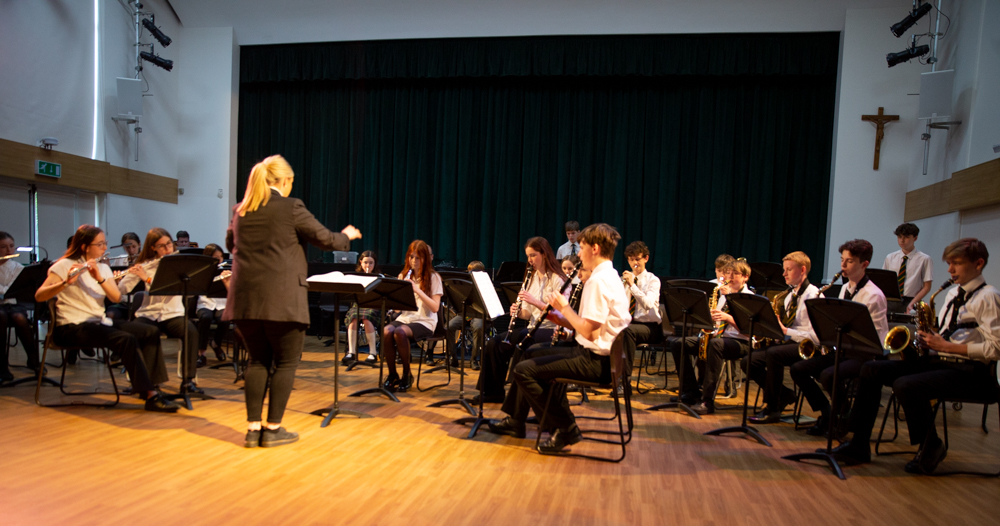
(410, 464)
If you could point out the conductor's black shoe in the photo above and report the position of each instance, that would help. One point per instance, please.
(190, 387)
(486, 400)
(391, 382)
(819, 428)
(560, 439)
(202, 361)
(405, 383)
(766, 417)
(252, 440)
(277, 437)
(704, 408)
(159, 404)
(508, 426)
(931, 454)
(348, 359)
(371, 359)
(851, 453)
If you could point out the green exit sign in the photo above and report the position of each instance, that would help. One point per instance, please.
(48, 169)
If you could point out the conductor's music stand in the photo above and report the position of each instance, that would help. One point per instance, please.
(847, 325)
(755, 313)
(461, 292)
(184, 275)
(23, 290)
(689, 310)
(389, 293)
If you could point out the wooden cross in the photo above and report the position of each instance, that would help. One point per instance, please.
(880, 121)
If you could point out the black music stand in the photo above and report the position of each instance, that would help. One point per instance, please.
(389, 293)
(23, 290)
(698, 284)
(184, 275)
(848, 325)
(755, 313)
(688, 308)
(338, 288)
(462, 292)
(511, 271)
(765, 276)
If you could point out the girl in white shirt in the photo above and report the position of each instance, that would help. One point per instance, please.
(11, 313)
(209, 310)
(419, 324)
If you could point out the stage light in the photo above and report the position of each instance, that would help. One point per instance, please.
(165, 63)
(907, 54)
(164, 40)
(900, 27)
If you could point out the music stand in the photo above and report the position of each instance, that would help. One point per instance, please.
(689, 309)
(339, 284)
(460, 292)
(848, 326)
(698, 284)
(511, 271)
(755, 313)
(22, 290)
(184, 275)
(765, 276)
(396, 294)
(218, 290)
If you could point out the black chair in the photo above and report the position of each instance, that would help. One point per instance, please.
(647, 353)
(624, 436)
(427, 350)
(50, 344)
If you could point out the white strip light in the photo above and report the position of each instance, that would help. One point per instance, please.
(97, 70)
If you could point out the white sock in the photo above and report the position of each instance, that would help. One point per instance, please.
(371, 342)
(352, 342)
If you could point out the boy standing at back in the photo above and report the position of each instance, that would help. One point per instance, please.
(914, 269)
(571, 247)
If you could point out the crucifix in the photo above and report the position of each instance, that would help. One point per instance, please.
(880, 121)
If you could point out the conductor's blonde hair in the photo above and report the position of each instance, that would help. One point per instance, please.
(265, 174)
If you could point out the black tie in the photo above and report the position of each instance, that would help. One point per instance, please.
(956, 304)
(572, 249)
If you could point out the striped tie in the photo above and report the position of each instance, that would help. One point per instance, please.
(901, 277)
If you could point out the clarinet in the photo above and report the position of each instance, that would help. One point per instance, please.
(562, 290)
(528, 272)
(574, 299)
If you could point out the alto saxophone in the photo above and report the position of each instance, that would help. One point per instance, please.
(778, 303)
(899, 337)
(807, 349)
(713, 303)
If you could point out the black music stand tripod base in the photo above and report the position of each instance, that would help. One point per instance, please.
(391, 293)
(334, 412)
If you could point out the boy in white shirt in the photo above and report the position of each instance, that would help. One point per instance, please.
(571, 247)
(914, 269)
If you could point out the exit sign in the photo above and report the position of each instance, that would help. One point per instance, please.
(48, 169)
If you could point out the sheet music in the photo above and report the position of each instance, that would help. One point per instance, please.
(488, 293)
(339, 277)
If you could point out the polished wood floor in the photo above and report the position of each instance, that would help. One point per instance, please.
(410, 464)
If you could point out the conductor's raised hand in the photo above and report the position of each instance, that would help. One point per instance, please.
(351, 232)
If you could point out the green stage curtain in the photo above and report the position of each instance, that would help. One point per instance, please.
(696, 145)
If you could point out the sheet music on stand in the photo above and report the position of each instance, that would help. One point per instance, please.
(339, 277)
(489, 294)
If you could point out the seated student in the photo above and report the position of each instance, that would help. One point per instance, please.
(12, 313)
(131, 244)
(970, 328)
(855, 255)
(371, 318)
(603, 314)
(183, 239)
(732, 344)
(475, 322)
(723, 264)
(427, 291)
(166, 313)
(567, 264)
(767, 366)
(571, 247)
(642, 289)
(546, 277)
(914, 269)
(563, 334)
(210, 310)
(80, 318)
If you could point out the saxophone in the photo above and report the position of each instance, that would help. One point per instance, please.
(778, 304)
(899, 337)
(713, 303)
(807, 349)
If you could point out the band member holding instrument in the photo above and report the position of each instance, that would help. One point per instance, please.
(11, 313)
(723, 264)
(568, 263)
(855, 255)
(167, 313)
(571, 247)
(455, 325)
(546, 277)
(210, 310)
(427, 291)
(368, 264)
(132, 245)
(603, 314)
(913, 268)
(767, 366)
(268, 289)
(729, 345)
(970, 331)
(642, 289)
(79, 284)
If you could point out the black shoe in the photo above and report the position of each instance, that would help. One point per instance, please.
(5, 376)
(277, 437)
(159, 404)
(704, 408)
(405, 383)
(560, 439)
(348, 359)
(788, 398)
(475, 364)
(931, 454)
(115, 357)
(454, 363)
(252, 440)
(852, 452)
(766, 417)
(371, 359)
(819, 428)
(190, 387)
(72, 356)
(89, 353)
(202, 361)
(219, 353)
(508, 426)
(486, 400)
(429, 359)
(391, 382)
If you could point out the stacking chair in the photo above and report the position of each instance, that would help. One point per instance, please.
(647, 353)
(427, 347)
(51, 345)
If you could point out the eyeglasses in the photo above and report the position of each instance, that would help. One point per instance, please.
(158, 246)
(101, 244)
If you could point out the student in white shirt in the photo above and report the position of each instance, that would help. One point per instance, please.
(427, 291)
(369, 318)
(723, 264)
(571, 247)
(475, 324)
(642, 289)
(603, 314)
(855, 255)
(80, 318)
(210, 310)
(166, 313)
(969, 319)
(914, 267)
(11, 313)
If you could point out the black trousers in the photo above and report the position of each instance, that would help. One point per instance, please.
(533, 377)
(138, 344)
(767, 368)
(174, 328)
(272, 345)
(205, 319)
(805, 374)
(915, 383)
(638, 333)
(719, 350)
(496, 360)
(17, 315)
